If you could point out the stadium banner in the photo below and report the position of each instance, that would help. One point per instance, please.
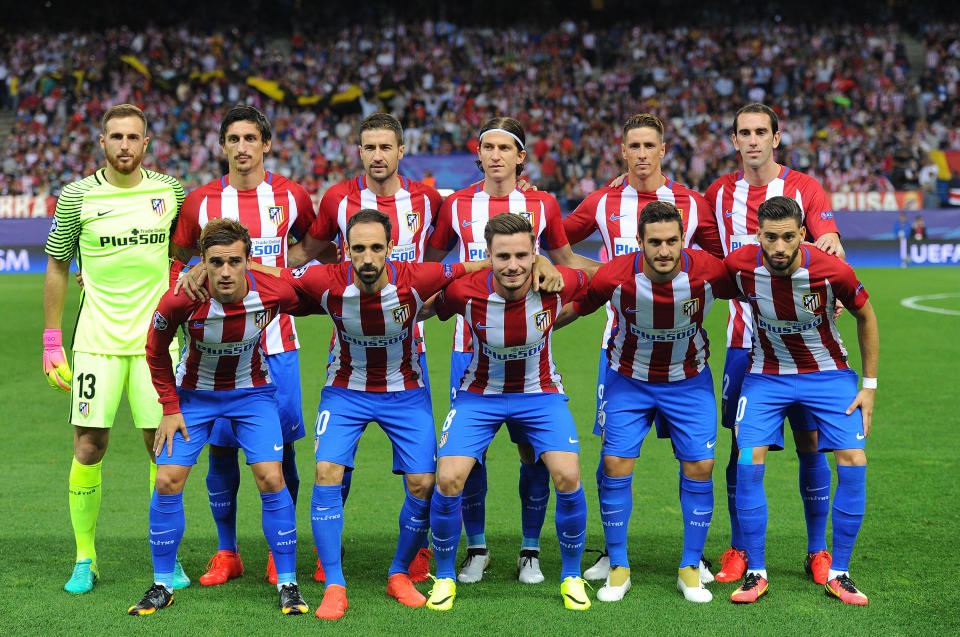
(878, 224)
(21, 246)
(20, 207)
(891, 200)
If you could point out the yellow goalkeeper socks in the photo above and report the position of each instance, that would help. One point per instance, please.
(84, 499)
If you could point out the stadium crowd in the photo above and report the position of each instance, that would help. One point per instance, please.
(854, 114)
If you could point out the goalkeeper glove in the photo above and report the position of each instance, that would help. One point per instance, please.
(55, 365)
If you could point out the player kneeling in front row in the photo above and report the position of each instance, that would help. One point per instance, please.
(657, 363)
(223, 374)
(798, 359)
(511, 379)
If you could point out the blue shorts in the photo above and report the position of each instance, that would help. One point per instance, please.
(543, 420)
(459, 361)
(285, 374)
(825, 397)
(688, 408)
(251, 416)
(734, 369)
(405, 416)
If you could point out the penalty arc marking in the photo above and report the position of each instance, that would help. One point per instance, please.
(916, 303)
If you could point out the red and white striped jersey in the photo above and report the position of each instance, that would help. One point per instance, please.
(373, 347)
(615, 212)
(734, 203)
(222, 342)
(659, 335)
(412, 211)
(793, 315)
(463, 219)
(270, 212)
(512, 354)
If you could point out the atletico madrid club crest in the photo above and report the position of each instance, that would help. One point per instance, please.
(443, 439)
(276, 215)
(690, 307)
(261, 319)
(541, 320)
(811, 301)
(159, 206)
(529, 216)
(413, 221)
(84, 408)
(401, 314)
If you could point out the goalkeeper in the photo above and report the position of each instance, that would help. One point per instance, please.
(117, 223)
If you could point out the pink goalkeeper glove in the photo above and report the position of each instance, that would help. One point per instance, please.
(55, 365)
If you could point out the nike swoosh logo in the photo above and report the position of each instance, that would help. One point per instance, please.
(278, 447)
(699, 512)
(152, 532)
(860, 436)
(101, 213)
(417, 520)
(753, 298)
(818, 488)
(610, 512)
(540, 499)
(574, 599)
(728, 214)
(710, 445)
(481, 327)
(322, 508)
(213, 493)
(197, 324)
(615, 217)
(443, 539)
(573, 537)
(573, 440)
(339, 318)
(469, 223)
(628, 311)
(282, 533)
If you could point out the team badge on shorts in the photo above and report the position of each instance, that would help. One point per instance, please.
(529, 216)
(443, 439)
(811, 301)
(261, 319)
(401, 314)
(159, 206)
(690, 307)
(541, 320)
(84, 408)
(413, 221)
(276, 214)
(159, 321)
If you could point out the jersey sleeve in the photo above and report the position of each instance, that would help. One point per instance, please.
(817, 212)
(310, 283)
(65, 227)
(714, 271)
(581, 223)
(436, 201)
(187, 233)
(598, 291)
(575, 284)
(707, 233)
(429, 278)
(305, 212)
(450, 301)
(170, 313)
(443, 236)
(325, 227)
(846, 287)
(711, 197)
(554, 237)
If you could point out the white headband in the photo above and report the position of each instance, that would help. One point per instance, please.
(500, 130)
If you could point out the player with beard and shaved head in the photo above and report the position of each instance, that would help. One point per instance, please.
(117, 224)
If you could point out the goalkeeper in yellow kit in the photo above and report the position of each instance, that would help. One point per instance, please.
(117, 224)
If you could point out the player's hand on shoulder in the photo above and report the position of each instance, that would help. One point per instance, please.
(546, 276)
(191, 284)
(524, 184)
(830, 243)
(618, 181)
(55, 366)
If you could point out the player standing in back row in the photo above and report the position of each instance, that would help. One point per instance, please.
(117, 223)
(735, 198)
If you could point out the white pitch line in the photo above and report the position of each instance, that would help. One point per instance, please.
(913, 303)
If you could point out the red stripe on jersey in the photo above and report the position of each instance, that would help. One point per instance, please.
(477, 315)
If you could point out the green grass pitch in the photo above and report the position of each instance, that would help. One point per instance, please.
(906, 557)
